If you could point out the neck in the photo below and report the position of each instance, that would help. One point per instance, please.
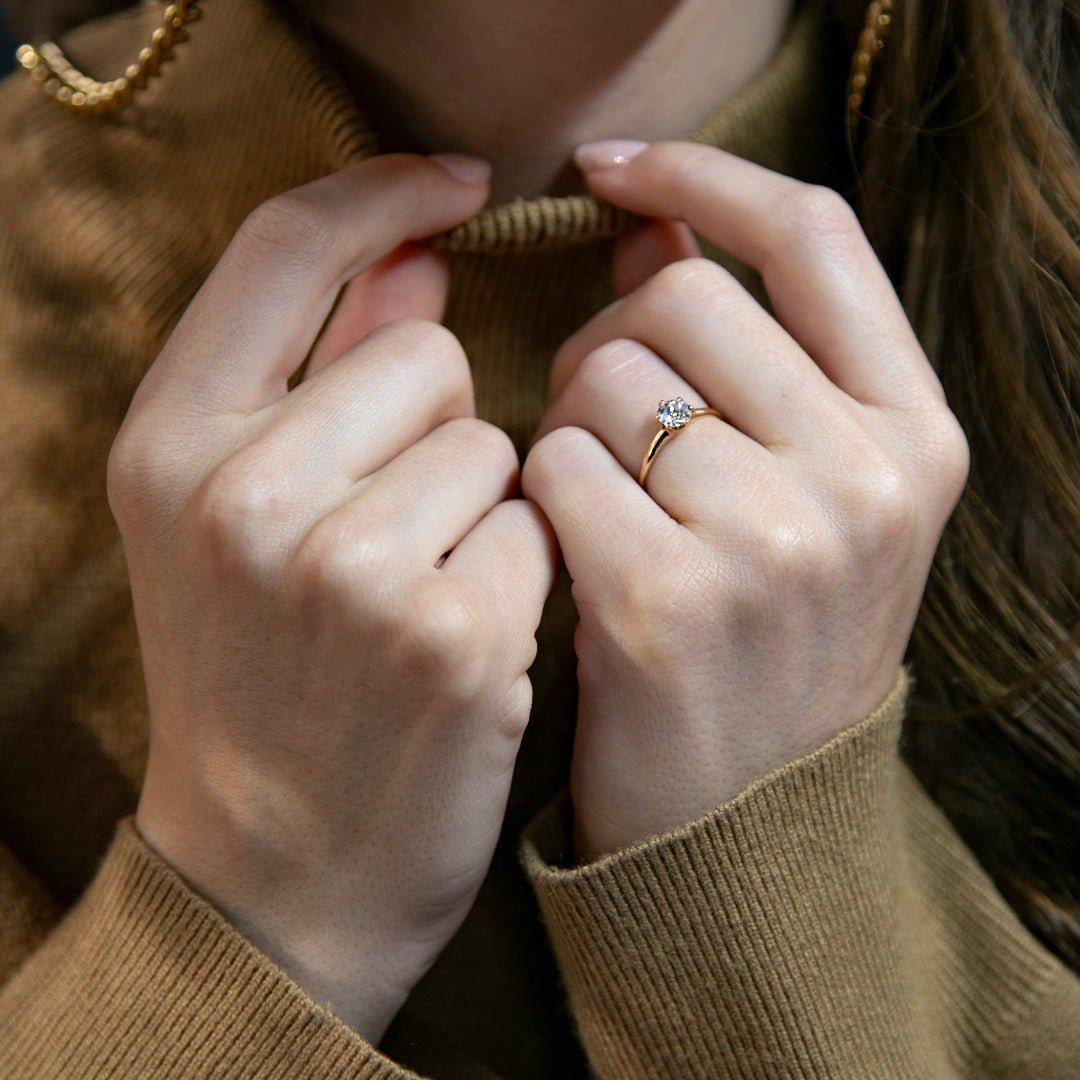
(523, 83)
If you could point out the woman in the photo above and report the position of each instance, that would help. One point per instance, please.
(284, 347)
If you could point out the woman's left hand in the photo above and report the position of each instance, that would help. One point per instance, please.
(758, 595)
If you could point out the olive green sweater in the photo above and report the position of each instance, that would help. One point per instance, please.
(825, 922)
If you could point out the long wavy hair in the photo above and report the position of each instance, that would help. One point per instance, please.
(969, 189)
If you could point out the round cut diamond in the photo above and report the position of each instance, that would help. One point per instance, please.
(674, 413)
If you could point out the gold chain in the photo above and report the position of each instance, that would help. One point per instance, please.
(871, 41)
(72, 88)
(63, 81)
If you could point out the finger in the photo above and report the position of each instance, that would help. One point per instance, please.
(258, 313)
(719, 338)
(603, 519)
(639, 253)
(404, 379)
(824, 281)
(511, 556)
(613, 395)
(412, 281)
(423, 502)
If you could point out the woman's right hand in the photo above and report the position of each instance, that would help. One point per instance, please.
(335, 711)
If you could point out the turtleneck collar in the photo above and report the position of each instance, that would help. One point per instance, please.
(787, 93)
(250, 107)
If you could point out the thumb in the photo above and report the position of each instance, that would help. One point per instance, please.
(412, 280)
(648, 248)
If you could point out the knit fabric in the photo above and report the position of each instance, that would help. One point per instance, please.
(825, 922)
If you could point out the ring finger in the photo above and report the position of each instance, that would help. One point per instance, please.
(614, 393)
(718, 337)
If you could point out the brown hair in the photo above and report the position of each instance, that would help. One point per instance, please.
(968, 189)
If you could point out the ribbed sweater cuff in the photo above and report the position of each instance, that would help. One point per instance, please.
(761, 939)
(146, 978)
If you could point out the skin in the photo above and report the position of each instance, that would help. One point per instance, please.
(337, 599)
(758, 597)
(335, 711)
(534, 90)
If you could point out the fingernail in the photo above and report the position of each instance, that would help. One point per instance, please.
(607, 154)
(469, 170)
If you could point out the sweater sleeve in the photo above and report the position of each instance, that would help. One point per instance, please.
(827, 921)
(144, 978)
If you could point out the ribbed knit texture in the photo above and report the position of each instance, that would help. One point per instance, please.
(827, 922)
(822, 923)
(169, 988)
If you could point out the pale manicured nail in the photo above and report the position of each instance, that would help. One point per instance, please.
(607, 154)
(469, 170)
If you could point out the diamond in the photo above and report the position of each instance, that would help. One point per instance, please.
(674, 413)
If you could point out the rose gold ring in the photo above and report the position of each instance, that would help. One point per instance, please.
(673, 414)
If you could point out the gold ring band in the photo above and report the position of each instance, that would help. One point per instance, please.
(673, 415)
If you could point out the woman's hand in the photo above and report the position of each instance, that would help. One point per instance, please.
(335, 711)
(758, 597)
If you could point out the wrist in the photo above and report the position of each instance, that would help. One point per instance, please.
(352, 983)
(300, 915)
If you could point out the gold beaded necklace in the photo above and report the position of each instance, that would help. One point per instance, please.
(70, 87)
(871, 42)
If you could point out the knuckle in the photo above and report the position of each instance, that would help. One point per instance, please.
(287, 225)
(433, 347)
(820, 214)
(480, 439)
(337, 563)
(642, 600)
(648, 616)
(431, 340)
(236, 510)
(444, 639)
(636, 597)
(530, 650)
(797, 553)
(951, 458)
(149, 474)
(885, 509)
(511, 721)
(626, 622)
(693, 281)
(560, 449)
(607, 361)
(129, 472)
